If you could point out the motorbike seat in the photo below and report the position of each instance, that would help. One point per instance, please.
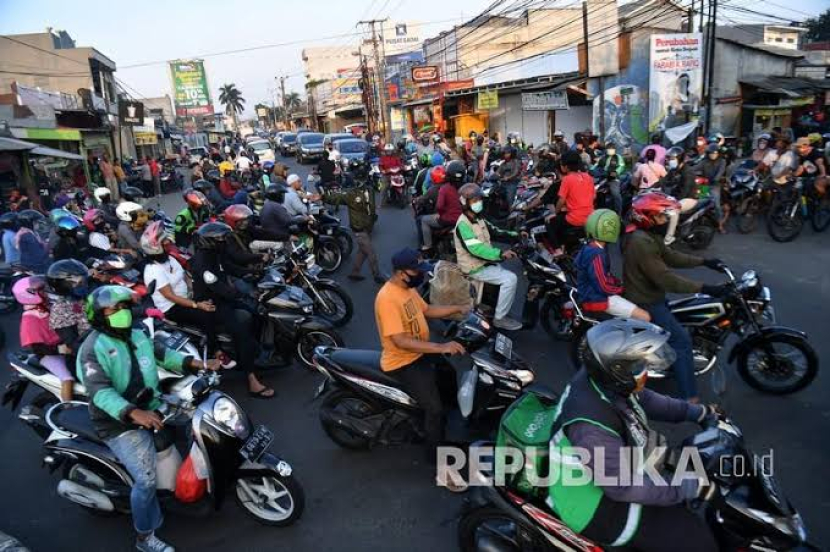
(74, 418)
(6, 270)
(364, 363)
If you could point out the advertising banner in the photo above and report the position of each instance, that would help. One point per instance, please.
(131, 113)
(625, 116)
(545, 101)
(425, 75)
(191, 93)
(675, 80)
(487, 100)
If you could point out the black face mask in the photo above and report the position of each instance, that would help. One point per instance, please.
(415, 281)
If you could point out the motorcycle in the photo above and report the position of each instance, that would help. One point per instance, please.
(547, 292)
(697, 227)
(765, 353)
(748, 511)
(232, 454)
(792, 205)
(327, 249)
(364, 406)
(331, 225)
(396, 193)
(171, 180)
(331, 301)
(745, 194)
(118, 270)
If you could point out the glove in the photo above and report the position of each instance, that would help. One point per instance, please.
(718, 290)
(713, 264)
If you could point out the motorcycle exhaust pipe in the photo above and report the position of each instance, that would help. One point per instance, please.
(85, 496)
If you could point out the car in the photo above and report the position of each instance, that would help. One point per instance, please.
(288, 144)
(353, 148)
(309, 146)
(277, 137)
(356, 128)
(197, 154)
(262, 148)
(333, 138)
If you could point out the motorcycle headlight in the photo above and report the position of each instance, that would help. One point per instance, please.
(228, 415)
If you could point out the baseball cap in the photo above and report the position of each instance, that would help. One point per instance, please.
(292, 178)
(803, 141)
(409, 259)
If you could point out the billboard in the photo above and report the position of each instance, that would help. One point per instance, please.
(346, 87)
(675, 80)
(400, 37)
(425, 74)
(131, 113)
(191, 93)
(603, 30)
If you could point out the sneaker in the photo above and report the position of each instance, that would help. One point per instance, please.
(153, 544)
(225, 361)
(507, 323)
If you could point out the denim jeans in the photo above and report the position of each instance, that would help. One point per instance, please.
(506, 280)
(616, 194)
(136, 450)
(511, 188)
(681, 342)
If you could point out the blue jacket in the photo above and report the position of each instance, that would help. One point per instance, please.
(594, 280)
(33, 253)
(9, 248)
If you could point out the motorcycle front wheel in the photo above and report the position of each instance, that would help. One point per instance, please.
(309, 340)
(781, 226)
(821, 214)
(748, 219)
(780, 365)
(271, 499)
(332, 303)
(345, 404)
(329, 256)
(488, 528)
(345, 240)
(553, 321)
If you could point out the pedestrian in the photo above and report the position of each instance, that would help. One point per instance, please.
(108, 172)
(155, 172)
(146, 176)
(120, 175)
(360, 201)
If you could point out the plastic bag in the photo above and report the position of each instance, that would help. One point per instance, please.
(189, 488)
(449, 286)
(466, 392)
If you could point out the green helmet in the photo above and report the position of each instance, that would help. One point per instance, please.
(105, 297)
(603, 225)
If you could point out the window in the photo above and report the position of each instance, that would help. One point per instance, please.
(779, 39)
(791, 40)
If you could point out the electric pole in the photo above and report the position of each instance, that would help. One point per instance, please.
(710, 69)
(367, 89)
(284, 105)
(380, 73)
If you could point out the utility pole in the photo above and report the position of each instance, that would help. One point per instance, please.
(284, 108)
(380, 73)
(710, 69)
(600, 80)
(367, 89)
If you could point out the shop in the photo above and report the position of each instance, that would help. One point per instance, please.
(784, 102)
(419, 116)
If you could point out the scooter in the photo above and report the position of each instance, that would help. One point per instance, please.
(397, 192)
(364, 406)
(748, 510)
(697, 228)
(228, 452)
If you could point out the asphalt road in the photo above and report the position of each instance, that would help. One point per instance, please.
(386, 499)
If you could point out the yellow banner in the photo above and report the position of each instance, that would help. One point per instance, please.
(488, 100)
(145, 138)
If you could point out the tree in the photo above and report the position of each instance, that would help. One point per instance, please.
(818, 28)
(292, 101)
(231, 98)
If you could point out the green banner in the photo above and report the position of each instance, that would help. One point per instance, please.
(488, 99)
(190, 88)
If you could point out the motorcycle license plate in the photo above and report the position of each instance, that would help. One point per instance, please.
(257, 443)
(504, 346)
(314, 270)
(538, 229)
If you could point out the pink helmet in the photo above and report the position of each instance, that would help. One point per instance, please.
(90, 217)
(28, 290)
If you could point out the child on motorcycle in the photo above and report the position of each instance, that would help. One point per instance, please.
(598, 289)
(67, 285)
(36, 333)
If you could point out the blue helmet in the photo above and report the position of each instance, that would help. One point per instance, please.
(67, 226)
(437, 159)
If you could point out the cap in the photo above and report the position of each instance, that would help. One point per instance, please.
(292, 178)
(803, 141)
(409, 259)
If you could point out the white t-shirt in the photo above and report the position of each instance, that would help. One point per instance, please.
(169, 273)
(243, 163)
(99, 241)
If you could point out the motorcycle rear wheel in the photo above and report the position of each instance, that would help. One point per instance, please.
(554, 324)
(768, 377)
(820, 220)
(781, 227)
(489, 524)
(259, 500)
(345, 402)
(704, 234)
(345, 240)
(336, 306)
(316, 338)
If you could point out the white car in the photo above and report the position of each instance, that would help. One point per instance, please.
(263, 149)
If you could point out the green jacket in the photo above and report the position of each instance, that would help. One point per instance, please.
(473, 248)
(360, 201)
(647, 269)
(114, 375)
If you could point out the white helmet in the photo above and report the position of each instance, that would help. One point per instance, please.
(101, 192)
(127, 211)
(389, 148)
(334, 155)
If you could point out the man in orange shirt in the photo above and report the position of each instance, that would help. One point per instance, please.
(408, 354)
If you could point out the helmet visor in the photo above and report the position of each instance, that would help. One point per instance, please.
(657, 360)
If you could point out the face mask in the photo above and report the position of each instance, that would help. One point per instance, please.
(673, 163)
(611, 152)
(713, 156)
(762, 145)
(477, 207)
(415, 281)
(121, 320)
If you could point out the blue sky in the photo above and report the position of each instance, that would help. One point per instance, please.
(153, 30)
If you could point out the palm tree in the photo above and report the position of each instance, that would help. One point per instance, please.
(292, 101)
(233, 101)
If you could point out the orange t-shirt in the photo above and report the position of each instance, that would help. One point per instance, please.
(399, 311)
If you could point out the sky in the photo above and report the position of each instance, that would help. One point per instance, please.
(153, 30)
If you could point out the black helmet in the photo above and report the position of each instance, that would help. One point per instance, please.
(456, 171)
(203, 186)
(620, 351)
(131, 193)
(68, 278)
(676, 153)
(712, 148)
(211, 236)
(275, 192)
(8, 221)
(30, 218)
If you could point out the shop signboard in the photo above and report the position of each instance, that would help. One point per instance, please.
(675, 80)
(487, 99)
(130, 112)
(425, 75)
(190, 88)
(551, 100)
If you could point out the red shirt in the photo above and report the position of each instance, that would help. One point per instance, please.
(578, 192)
(154, 167)
(449, 204)
(388, 162)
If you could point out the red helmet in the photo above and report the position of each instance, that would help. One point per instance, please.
(438, 175)
(90, 217)
(195, 199)
(236, 214)
(645, 207)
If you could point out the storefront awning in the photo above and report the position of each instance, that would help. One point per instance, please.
(13, 144)
(790, 87)
(423, 101)
(547, 82)
(52, 152)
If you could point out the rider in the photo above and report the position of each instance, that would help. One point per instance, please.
(8, 222)
(239, 262)
(117, 365)
(274, 218)
(606, 409)
(649, 171)
(510, 173)
(133, 219)
(34, 254)
(713, 168)
(762, 149)
(548, 163)
(811, 164)
(68, 245)
(194, 214)
(478, 258)
(211, 284)
(408, 354)
(389, 161)
(294, 198)
(106, 205)
(559, 145)
(647, 264)
(657, 147)
(438, 176)
(679, 183)
(575, 199)
(613, 166)
(597, 288)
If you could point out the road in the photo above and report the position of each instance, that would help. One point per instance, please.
(386, 499)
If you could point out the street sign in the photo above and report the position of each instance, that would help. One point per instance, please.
(190, 88)
(131, 113)
(488, 99)
(545, 101)
(425, 74)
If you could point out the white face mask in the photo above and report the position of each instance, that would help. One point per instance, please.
(673, 163)
(611, 152)
(477, 207)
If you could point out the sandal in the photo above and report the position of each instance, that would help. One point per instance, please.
(261, 394)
